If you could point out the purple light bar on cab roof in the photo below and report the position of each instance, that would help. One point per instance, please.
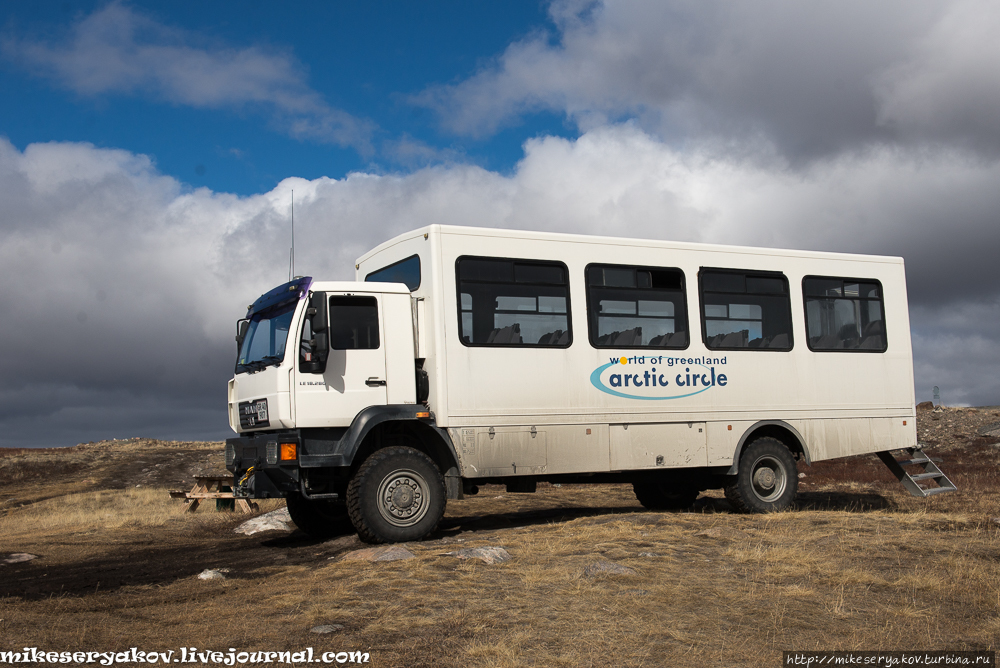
(291, 291)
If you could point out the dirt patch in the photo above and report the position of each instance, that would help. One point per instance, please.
(857, 564)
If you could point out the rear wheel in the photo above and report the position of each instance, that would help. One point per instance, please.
(397, 495)
(320, 518)
(767, 479)
(664, 496)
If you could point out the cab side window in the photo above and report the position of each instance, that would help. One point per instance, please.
(354, 323)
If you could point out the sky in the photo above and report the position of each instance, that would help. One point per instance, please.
(149, 150)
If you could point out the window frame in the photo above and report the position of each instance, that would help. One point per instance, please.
(513, 261)
(591, 307)
(843, 280)
(420, 272)
(359, 298)
(746, 273)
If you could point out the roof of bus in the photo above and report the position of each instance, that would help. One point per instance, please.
(435, 230)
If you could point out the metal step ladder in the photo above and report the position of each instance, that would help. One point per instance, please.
(929, 472)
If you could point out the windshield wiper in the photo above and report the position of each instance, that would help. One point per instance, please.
(264, 362)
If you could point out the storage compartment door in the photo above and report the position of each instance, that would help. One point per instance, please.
(659, 445)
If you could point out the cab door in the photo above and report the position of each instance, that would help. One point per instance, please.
(355, 376)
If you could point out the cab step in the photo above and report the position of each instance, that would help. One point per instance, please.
(928, 471)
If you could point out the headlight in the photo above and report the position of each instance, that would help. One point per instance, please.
(230, 454)
(272, 452)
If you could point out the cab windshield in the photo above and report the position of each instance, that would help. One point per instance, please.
(267, 333)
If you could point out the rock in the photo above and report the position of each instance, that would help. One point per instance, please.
(373, 554)
(648, 554)
(19, 557)
(925, 406)
(990, 430)
(326, 628)
(343, 542)
(213, 574)
(607, 568)
(491, 555)
(802, 475)
(276, 520)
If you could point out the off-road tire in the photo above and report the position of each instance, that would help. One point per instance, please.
(397, 495)
(664, 496)
(319, 518)
(767, 479)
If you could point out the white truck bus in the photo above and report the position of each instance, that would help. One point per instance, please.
(464, 356)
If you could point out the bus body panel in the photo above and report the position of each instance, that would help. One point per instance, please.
(841, 403)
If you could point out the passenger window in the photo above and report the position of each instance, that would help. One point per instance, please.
(513, 303)
(354, 323)
(636, 307)
(745, 309)
(405, 271)
(844, 314)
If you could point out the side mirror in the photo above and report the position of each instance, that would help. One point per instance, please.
(241, 334)
(316, 349)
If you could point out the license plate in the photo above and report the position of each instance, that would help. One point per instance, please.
(253, 414)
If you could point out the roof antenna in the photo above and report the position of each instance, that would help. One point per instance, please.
(291, 252)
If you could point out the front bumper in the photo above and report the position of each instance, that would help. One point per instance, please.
(258, 471)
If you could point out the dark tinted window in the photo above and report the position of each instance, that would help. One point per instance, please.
(636, 307)
(844, 314)
(505, 302)
(354, 323)
(405, 271)
(745, 309)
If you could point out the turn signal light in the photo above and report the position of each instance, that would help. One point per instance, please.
(288, 451)
(423, 414)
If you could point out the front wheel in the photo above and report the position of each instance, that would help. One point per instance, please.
(767, 479)
(397, 495)
(319, 518)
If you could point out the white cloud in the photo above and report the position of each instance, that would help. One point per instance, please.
(122, 285)
(117, 50)
(811, 78)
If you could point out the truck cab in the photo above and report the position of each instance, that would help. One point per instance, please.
(324, 368)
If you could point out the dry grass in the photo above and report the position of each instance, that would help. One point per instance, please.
(91, 511)
(859, 565)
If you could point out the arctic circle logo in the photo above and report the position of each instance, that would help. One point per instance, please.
(657, 378)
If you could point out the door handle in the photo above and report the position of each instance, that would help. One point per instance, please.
(374, 382)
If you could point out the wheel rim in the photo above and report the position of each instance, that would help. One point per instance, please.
(768, 478)
(402, 498)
